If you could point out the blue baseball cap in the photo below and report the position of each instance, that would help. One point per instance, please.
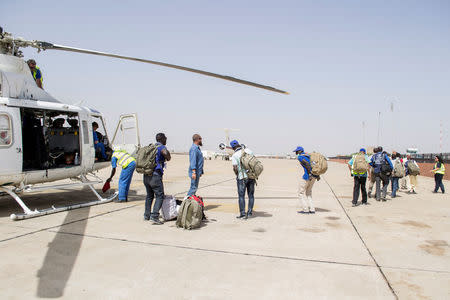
(362, 150)
(299, 149)
(234, 143)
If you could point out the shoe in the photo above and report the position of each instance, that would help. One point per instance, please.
(156, 221)
(120, 201)
(414, 192)
(312, 211)
(383, 199)
(242, 217)
(355, 204)
(249, 215)
(303, 212)
(434, 192)
(146, 218)
(378, 199)
(369, 195)
(365, 203)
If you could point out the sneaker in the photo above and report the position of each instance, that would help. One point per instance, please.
(312, 211)
(156, 221)
(365, 203)
(369, 195)
(355, 204)
(243, 217)
(383, 199)
(303, 212)
(146, 218)
(249, 215)
(434, 192)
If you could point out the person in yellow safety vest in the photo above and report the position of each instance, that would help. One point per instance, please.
(128, 163)
(36, 72)
(439, 171)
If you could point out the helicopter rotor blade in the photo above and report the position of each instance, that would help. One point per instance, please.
(46, 46)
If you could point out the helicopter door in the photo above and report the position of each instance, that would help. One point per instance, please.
(10, 140)
(126, 136)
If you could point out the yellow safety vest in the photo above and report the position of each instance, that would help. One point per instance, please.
(441, 170)
(123, 158)
(34, 74)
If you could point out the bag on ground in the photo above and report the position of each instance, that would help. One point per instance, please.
(169, 208)
(190, 214)
(146, 159)
(360, 164)
(399, 169)
(251, 165)
(319, 163)
(413, 168)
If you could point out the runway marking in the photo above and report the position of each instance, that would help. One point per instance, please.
(362, 240)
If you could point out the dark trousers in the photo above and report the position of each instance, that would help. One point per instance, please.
(154, 186)
(360, 184)
(249, 185)
(439, 183)
(381, 192)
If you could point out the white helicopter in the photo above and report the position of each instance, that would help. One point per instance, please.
(44, 140)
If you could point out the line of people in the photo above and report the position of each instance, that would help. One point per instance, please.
(382, 169)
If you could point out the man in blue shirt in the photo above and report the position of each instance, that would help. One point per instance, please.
(382, 168)
(306, 182)
(154, 182)
(195, 164)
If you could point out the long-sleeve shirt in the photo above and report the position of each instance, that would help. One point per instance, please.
(195, 160)
(304, 160)
(378, 160)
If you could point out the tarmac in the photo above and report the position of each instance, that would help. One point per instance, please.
(386, 250)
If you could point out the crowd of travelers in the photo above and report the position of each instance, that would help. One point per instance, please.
(382, 169)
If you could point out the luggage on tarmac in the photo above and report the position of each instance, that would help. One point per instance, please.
(399, 169)
(169, 208)
(251, 165)
(190, 214)
(413, 168)
(146, 159)
(360, 164)
(319, 163)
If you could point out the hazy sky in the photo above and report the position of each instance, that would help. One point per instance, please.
(342, 62)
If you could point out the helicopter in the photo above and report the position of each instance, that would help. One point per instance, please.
(43, 140)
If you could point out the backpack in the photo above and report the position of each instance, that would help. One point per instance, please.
(251, 165)
(380, 160)
(191, 213)
(413, 168)
(399, 169)
(318, 162)
(169, 208)
(360, 165)
(146, 159)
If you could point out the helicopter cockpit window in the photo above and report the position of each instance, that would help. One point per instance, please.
(5, 130)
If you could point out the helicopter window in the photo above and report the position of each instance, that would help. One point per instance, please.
(85, 132)
(5, 130)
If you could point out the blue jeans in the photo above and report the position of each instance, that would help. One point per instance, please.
(101, 146)
(439, 183)
(194, 186)
(154, 186)
(125, 180)
(249, 185)
(394, 186)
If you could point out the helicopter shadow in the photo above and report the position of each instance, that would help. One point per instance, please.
(61, 255)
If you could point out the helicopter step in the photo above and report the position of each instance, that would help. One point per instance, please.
(28, 213)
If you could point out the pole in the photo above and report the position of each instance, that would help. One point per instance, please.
(379, 128)
(364, 132)
(440, 138)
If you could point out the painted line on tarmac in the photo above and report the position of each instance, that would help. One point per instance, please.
(208, 185)
(215, 250)
(67, 223)
(362, 240)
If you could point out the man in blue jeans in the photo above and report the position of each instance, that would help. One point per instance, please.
(154, 182)
(195, 164)
(243, 182)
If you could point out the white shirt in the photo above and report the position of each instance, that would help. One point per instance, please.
(236, 161)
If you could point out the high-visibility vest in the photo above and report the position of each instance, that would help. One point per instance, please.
(34, 74)
(123, 158)
(441, 170)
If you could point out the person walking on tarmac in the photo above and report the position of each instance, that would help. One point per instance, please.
(382, 168)
(154, 182)
(439, 172)
(128, 163)
(306, 182)
(359, 167)
(36, 72)
(243, 182)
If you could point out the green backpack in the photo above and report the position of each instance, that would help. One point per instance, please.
(146, 159)
(251, 165)
(413, 168)
(190, 214)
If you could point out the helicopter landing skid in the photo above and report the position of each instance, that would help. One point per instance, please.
(28, 213)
